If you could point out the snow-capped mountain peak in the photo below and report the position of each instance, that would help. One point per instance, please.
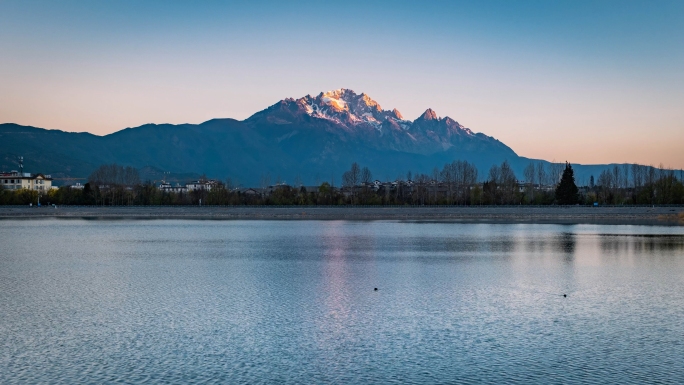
(354, 112)
(346, 107)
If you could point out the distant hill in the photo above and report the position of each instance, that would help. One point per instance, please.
(313, 138)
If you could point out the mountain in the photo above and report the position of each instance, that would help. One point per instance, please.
(314, 138)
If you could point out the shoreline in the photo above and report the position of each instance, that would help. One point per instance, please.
(485, 214)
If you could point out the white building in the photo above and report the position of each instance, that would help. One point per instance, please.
(167, 187)
(14, 180)
(205, 185)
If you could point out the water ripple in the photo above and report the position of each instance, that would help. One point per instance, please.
(183, 302)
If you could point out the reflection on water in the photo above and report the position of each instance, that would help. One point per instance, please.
(293, 302)
(641, 244)
(566, 243)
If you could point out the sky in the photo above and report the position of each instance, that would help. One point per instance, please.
(582, 81)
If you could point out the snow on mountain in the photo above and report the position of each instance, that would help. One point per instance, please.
(351, 110)
(359, 112)
(345, 107)
(357, 118)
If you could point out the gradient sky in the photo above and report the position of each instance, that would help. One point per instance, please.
(587, 82)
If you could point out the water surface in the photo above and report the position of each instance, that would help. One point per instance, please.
(172, 301)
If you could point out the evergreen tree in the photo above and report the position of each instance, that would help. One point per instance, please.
(567, 192)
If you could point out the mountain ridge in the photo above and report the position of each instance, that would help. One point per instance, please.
(313, 138)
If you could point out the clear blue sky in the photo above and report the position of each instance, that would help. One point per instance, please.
(588, 82)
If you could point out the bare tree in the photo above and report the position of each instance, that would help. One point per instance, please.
(347, 180)
(114, 175)
(446, 176)
(606, 186)
(494, 179)
(351, 178)
(398, 190)
(355, 171)
(541, 174)
(508, 182)
(421, 184)
(264, 182)
(636, 176)
(464, 176)
(625, 175)
(366, 175)
(435, 181)
(529, 174)
(495, 174)
(556, 172)
(650, 181)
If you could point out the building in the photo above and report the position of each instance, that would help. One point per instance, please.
(205, 185)
(167, 187)
(201, 185)
(15, 180)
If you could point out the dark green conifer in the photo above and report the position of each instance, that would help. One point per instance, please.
(567, 192)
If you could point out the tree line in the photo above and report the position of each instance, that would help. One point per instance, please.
(456, 183)
(637, 184)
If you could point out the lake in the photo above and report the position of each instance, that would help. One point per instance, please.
(292, 302)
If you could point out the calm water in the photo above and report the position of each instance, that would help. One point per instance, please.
(173, 301)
